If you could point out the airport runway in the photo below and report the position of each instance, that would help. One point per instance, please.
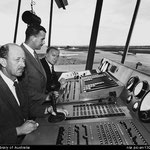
(131, 60)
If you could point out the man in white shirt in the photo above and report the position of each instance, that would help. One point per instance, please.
(34, 78)
(15, 107)
(48, 62)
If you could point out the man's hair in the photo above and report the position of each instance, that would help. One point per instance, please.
(4, 51)
(50, 48)
(34, 30)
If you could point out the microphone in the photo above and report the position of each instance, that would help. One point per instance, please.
(60, 116)
(29, 18)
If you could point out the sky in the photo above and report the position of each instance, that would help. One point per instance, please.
(73, 25)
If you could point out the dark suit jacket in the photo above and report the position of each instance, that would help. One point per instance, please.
(34, 78)
(12, 115)
(51, 78)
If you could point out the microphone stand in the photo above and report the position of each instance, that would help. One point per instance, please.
(59, 115)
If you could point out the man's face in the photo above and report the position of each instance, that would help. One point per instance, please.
(52, 56)
(39, 40)
(15, 62)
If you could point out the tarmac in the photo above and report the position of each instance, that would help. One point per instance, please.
(130, 60)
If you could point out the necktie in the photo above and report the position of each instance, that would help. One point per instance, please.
(39, 62)
(36, 56)
(17, 91)
(52, 69)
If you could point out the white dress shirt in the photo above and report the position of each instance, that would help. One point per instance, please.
(11, 86)
(29, 49)
(50, 66)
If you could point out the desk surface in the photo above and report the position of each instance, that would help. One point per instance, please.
(44, 135)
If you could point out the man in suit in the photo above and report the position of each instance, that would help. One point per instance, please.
(16, 110)
(48, 62)
(34, 77)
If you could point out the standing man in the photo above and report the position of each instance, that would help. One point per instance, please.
(48, 62)
(16, 109)
(34, 78)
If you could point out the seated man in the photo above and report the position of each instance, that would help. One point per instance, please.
(16, 110)
(48, 62)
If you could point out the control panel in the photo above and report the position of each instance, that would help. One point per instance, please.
(106, 106)
(90, 87)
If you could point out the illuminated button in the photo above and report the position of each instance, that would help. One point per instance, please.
(131, 83)
(135, 106)
(140, 89)
(129, 98)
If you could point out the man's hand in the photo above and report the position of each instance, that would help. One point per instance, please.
(56, 94)
(63, 111)
(49, 110)
(63, 82)
(27, 127)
